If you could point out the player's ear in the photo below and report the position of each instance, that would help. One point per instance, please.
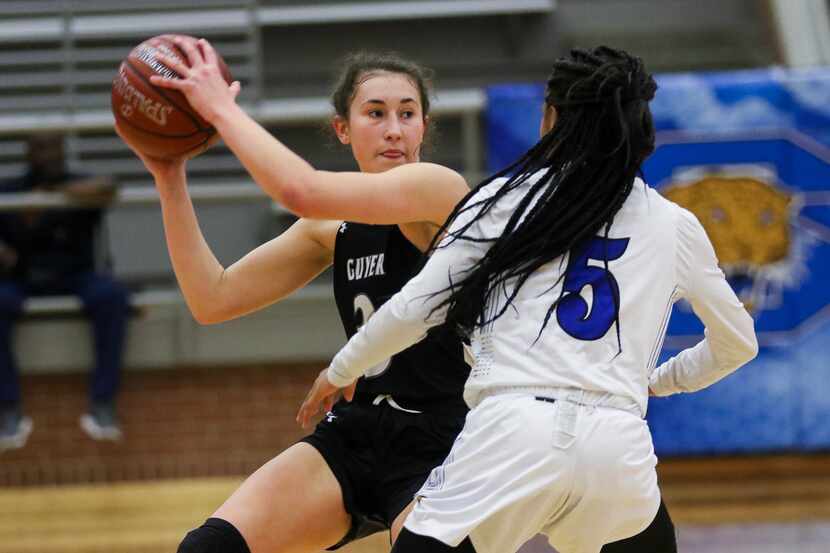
(341, 129)
(549, 117)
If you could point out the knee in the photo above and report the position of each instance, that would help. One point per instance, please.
(214, 536)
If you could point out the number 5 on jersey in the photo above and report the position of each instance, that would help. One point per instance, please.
(575, 316)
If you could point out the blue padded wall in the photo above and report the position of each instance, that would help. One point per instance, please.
(760, 130)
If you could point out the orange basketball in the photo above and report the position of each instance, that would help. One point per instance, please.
(159, 121)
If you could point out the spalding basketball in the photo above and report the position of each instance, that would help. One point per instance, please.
(158, 121)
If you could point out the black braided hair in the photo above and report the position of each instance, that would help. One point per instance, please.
(602, 135)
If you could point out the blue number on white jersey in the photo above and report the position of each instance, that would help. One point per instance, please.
(575, 316)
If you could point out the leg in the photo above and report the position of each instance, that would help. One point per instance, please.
(292, 504)
(11, 305)
(659, 537)
(422, 443)
(409, 542)
(397, 524)
(14, 427)
(106, 303)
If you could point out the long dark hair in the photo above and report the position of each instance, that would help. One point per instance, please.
(589, 160)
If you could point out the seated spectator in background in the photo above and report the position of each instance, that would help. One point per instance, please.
(53, 252)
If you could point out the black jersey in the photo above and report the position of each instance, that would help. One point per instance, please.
(371, 264)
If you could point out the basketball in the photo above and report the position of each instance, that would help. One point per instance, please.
(158, 121)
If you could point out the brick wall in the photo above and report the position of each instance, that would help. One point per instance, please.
(187, 422)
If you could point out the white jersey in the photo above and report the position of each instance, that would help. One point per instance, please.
(656, 252)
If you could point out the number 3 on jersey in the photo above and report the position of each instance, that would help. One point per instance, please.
(363, 310)
(575, 316)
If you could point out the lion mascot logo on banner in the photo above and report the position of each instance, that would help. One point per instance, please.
(749, 220)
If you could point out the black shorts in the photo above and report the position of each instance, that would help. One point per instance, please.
(381, 456)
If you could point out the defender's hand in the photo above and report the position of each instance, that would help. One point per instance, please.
(323, 393)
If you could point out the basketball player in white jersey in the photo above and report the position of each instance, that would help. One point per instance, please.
(562, 269)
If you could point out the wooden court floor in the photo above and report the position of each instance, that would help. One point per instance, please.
(777, 504)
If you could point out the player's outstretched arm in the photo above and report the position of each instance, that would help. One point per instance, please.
(400, 322)
(730, 340)
(265, 275)
(413, 193)
(408, 315)
(262, 277)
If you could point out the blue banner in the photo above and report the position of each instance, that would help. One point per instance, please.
(749, 153)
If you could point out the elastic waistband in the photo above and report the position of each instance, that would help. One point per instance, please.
(571, 395)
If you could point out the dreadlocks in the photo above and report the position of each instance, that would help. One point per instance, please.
(589, 160)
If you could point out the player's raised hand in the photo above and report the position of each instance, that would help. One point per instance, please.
(161, 169)
(200, 79)
(322, 394)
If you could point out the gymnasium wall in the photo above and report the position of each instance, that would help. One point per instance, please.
(184, 423)
(749, 153)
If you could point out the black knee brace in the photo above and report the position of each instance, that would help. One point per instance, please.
(409, 542)
(214, 536)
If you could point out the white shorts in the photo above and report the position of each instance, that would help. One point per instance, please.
(582, 475)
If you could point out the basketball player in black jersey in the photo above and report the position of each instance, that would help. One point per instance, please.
(357, 473)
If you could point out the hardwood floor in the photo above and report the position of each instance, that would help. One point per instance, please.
(776, 504)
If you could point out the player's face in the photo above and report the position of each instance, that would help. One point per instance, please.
(386, 123)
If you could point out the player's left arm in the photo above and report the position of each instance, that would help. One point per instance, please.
(409, 314)
(729, 340)
(399, 323)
